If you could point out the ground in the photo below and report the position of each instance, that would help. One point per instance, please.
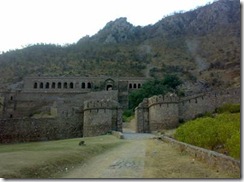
(142, 156)
(136, 156)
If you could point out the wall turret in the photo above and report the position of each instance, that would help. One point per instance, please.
(101, 116)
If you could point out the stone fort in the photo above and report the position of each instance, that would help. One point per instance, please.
(49, 108)
(45, 108)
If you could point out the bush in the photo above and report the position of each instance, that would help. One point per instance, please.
(233, 145)
(213, 133)
(232, 108)
(128, 113)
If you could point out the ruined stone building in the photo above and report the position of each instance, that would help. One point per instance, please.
(46, 108)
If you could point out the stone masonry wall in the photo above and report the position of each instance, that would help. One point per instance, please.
(43, 129)
(192, 106)
(165, 112)
(141, 114)
(101, 117)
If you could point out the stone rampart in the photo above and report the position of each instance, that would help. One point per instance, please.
(101, 117)
(141, 114)
(42, 129)
(165, 112)
(192, 106)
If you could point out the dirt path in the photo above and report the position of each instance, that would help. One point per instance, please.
(142, 157)
(125, 161)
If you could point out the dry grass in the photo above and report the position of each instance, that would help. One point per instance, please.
(163, 161)
(50, 159)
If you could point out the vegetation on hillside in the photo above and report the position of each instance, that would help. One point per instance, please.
(199, 45)
(220, 132)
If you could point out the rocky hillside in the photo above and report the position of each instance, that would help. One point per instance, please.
(202, 46)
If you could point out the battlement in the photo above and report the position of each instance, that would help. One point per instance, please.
(161, 99)
(217, 94)
(164, 112)
(100, 104)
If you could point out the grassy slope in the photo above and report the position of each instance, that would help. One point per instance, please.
(220, 133)
(50, 159)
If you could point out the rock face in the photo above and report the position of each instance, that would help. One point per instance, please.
(116, 31)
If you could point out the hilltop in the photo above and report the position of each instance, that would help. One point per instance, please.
(202, 46)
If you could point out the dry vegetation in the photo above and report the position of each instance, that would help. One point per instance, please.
(163, 161)
(199, 45)
(50, 159)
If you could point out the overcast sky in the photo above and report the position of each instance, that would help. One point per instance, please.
(25, 22)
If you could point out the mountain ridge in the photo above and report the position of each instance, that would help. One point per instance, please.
(201, 46)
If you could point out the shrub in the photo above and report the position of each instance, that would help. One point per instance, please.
(128, 115)
(213, 133)
(233, 145)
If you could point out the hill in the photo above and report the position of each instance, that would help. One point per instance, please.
(202, 46)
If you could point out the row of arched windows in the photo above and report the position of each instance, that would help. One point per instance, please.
(135, 85)
(72, 85)
(60, 85)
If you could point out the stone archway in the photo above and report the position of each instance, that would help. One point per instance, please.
(109, 84)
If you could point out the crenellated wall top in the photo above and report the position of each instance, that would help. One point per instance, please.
(101, 104)
(167, 98)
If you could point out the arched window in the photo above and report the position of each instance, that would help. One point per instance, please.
(35, 85)
(130, 85)
(65, 85)
(83, 85)
(59, 85)
(71, 85)
(47, 85)
(88, 85)
(139, 85)
(53, 85)
(41, 85)
(134, 85)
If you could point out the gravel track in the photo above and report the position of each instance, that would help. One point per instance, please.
(140, 156)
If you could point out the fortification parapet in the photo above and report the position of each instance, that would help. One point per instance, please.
(160, 99)
(101, 104)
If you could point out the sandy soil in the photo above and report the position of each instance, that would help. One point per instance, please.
(143, 157)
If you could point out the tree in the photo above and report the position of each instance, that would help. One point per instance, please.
(154, 87)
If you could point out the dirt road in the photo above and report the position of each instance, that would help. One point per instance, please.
(143, 157)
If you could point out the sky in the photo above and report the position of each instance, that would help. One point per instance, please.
(27, 22)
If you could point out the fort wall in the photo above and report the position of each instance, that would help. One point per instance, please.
(42, 129)
(63, 111)
(165, 112)
(101, 117)
(142, 114)
(192, 106)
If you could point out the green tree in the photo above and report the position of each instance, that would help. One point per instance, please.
(154, 87)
